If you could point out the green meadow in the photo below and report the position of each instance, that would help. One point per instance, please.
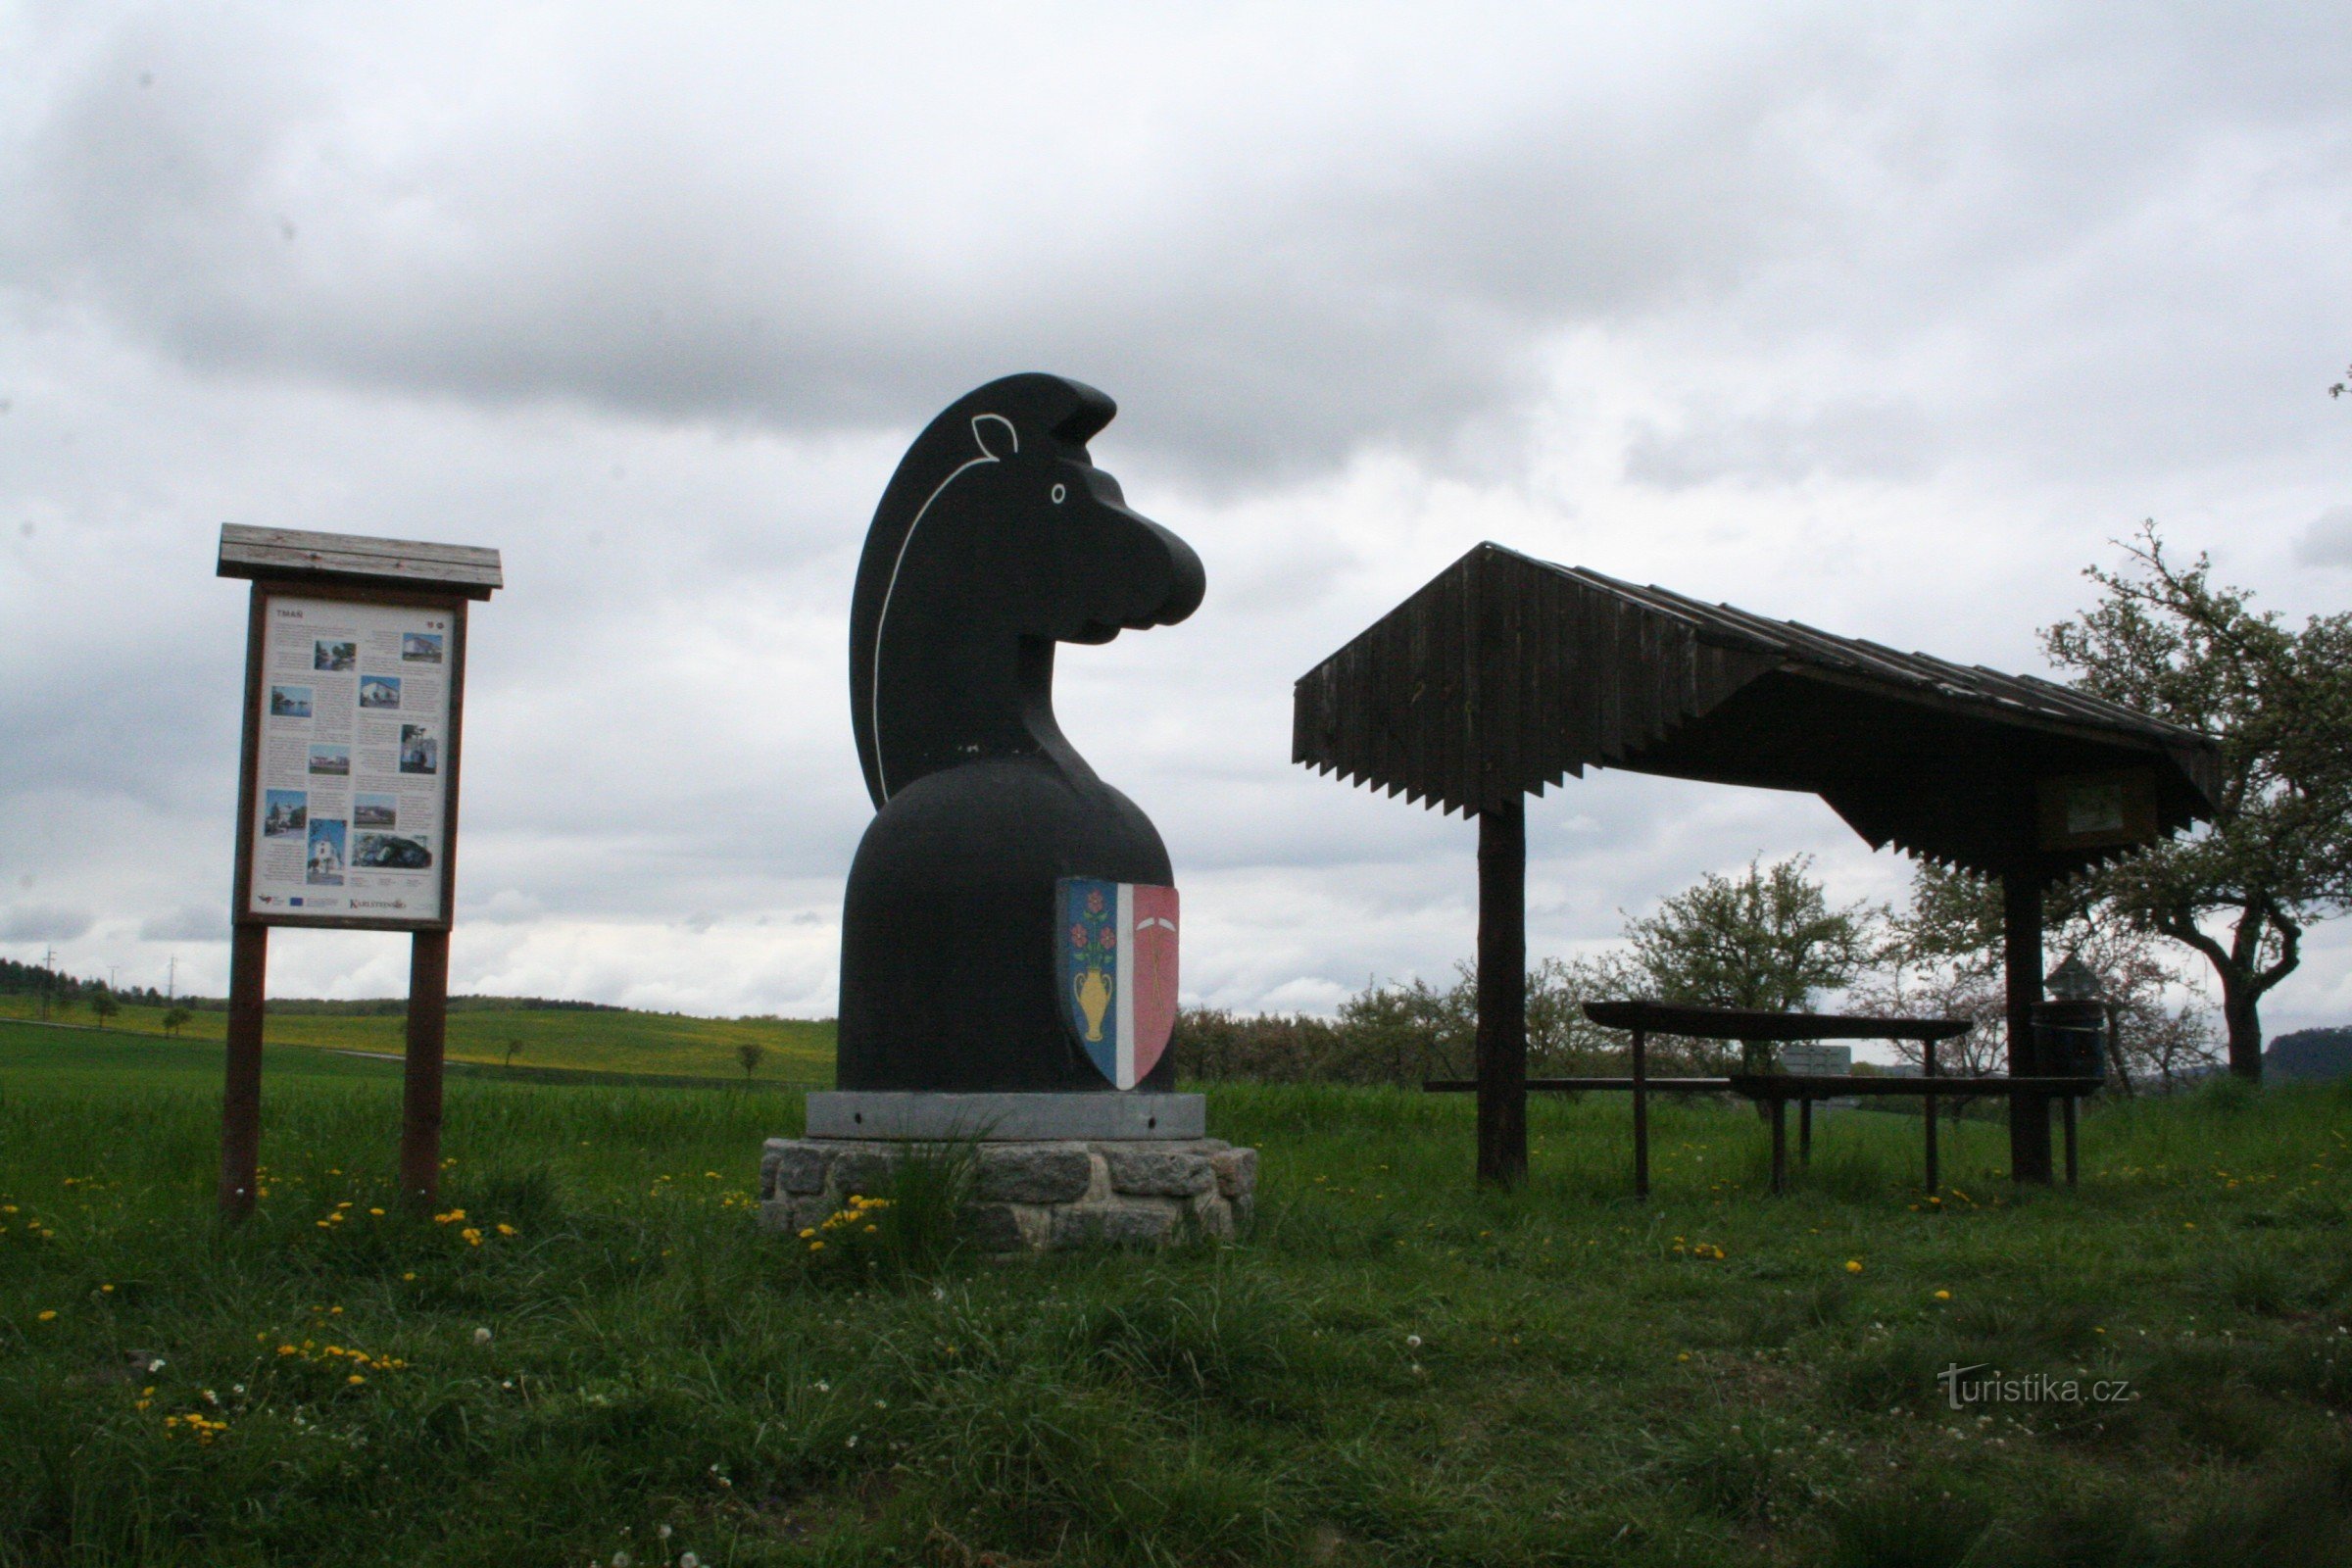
(590, 1351)
(570, 1040)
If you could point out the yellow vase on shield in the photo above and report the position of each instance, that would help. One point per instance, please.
(1094, 1001)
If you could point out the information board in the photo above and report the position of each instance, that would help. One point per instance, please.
(352, 760)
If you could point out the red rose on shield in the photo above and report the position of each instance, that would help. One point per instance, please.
(1077, 936)
(1094, 902)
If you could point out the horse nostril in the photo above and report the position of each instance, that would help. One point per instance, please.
(1060, 494)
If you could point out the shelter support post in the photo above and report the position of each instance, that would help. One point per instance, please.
(2021, 932)
(241, 1098)
(1928, 1107)
(1640, 1116)
(2067, 1106)
(420, 1085)
(1503, 994)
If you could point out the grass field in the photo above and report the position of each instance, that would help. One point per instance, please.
(797, 1051)
(1391, 1370)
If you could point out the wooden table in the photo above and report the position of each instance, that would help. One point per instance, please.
(1775, 1090)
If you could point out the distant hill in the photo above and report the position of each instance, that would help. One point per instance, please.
(2310, 1053)
(529, 1032)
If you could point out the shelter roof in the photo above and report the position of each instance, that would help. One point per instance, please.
(1505, 674)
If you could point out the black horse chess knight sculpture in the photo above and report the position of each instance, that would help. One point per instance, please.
(1011, 921)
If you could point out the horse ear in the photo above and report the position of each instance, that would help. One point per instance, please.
(995, 435)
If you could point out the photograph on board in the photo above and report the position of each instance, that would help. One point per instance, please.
(334, 759)
(420, 750)
(289, 702)
(284, 814)
(390, 852)
(338, 658)
(326, 855)
(420, 648)
(380, 691)
(375, 811)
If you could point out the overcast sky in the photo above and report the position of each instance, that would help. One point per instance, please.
(1884, 317)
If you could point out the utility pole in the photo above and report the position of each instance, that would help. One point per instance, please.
(171, 981)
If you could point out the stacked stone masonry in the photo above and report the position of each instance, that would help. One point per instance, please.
(1032, 1197)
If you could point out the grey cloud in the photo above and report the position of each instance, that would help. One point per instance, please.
(189, 923)
(43, 922)
(1859, 438)
(1389, 285)
(2328, 541)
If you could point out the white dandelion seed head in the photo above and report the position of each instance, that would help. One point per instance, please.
(1412, 1342)
(481, 1336)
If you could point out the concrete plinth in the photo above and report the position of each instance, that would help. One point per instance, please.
(1004, 1119)
(1032, 1194)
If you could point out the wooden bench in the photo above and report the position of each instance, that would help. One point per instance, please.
(1775, 1090)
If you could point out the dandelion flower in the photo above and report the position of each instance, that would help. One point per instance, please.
(687, 1559)
(1943, 1296)
(48, 1313)
(621, 1559)
(106, 1289)
(355, 1378)
(1684, 1357)
(1412, 1342)
(481, 1336)
(1853, 1265)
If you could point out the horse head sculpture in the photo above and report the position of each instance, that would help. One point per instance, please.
(997, 539)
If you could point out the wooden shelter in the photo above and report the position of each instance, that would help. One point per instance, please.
(1505, 676)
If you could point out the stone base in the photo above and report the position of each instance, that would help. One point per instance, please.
(934, 1114)
(1034, 1196)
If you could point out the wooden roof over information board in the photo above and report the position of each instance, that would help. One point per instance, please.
(466, 571)
(1506, 674)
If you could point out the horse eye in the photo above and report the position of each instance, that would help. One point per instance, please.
(1058, 494)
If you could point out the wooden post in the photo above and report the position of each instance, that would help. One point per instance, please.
(1929, 1106)
(1642, 1116)
(1804, 1130)
(2068, 1109)
(1503, 994)
(241, 1098)
(2029, 1113)
(1779, 1144)
(421, 1083)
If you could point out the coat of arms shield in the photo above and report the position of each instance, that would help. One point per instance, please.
(1117, 973)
